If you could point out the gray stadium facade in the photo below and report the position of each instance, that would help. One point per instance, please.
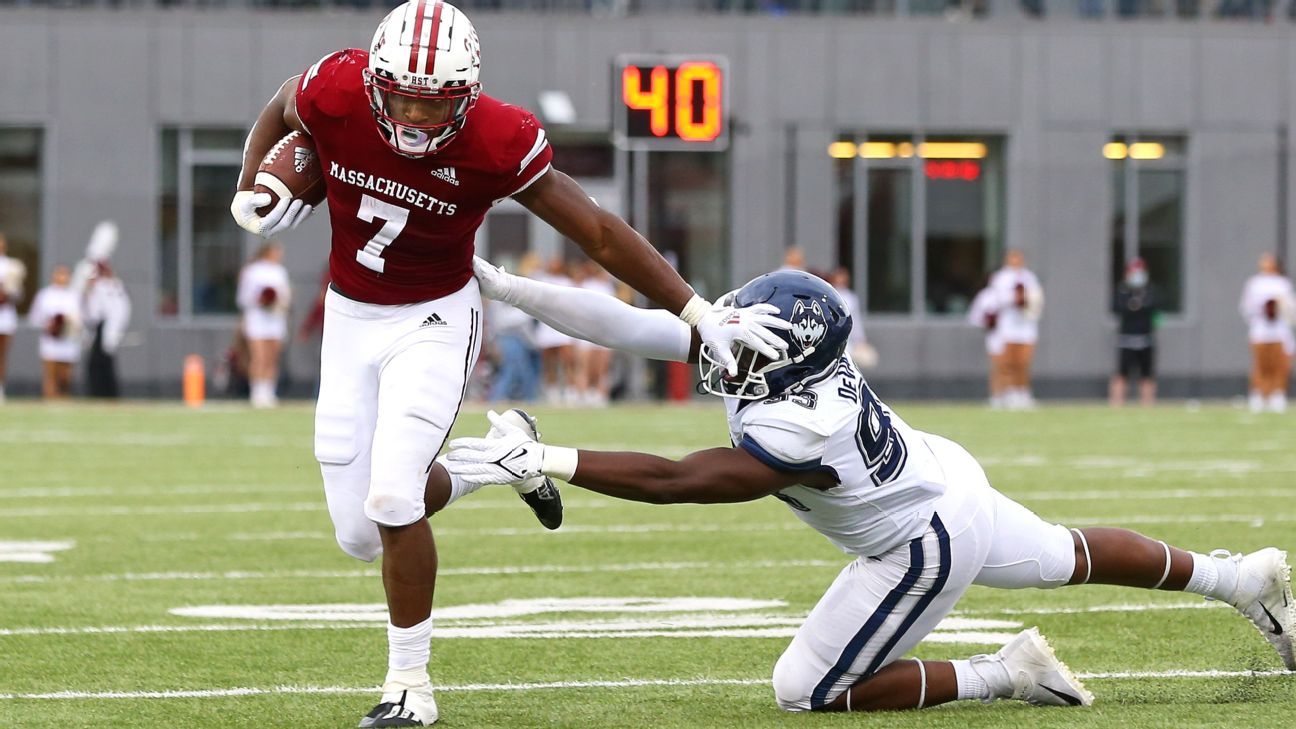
(118, 101)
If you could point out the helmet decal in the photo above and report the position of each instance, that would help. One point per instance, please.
(808, 325)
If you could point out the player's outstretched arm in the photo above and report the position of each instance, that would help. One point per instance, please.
(715, 476)
(606, 238)
(592, 316)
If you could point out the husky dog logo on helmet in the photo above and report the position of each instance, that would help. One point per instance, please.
(808, 325)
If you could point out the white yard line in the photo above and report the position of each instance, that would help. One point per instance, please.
(1119, 608)
(623, 683)
(374, 572)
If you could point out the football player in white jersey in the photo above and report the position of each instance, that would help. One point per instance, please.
(914, 509)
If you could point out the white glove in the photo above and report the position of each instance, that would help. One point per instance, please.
(286, 215)
(494, 281)
(723, 325)
(507, 455)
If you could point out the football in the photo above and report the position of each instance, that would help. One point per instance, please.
(290, 169)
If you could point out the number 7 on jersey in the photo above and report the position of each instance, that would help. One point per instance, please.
(394, 218)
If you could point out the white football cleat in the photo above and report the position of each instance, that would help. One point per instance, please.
(403, 707)
(1037, 676)
(1264, 595)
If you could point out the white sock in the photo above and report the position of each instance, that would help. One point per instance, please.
(1256, 401)
(984, 680)
(408, 652)
(459, 488)
(1213, 577)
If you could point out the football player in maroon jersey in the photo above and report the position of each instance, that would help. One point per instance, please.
(414, 154)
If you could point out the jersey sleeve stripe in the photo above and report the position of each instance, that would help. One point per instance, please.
(536, 149)
(750, 445)
(530, 182)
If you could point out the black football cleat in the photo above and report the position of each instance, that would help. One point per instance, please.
(546, 503)
(539, 493)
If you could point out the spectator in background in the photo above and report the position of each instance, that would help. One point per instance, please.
(1021, 304)
(107, 314)
(984, 313)
(12, 275)
(264, 296)
(56, 312)
(1268, 305)
(861, 352)
(793, 259)
(594, 362)
(517, 367)
(557, 353)
(1139, 312)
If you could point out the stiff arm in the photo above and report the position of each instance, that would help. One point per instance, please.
(593, 317)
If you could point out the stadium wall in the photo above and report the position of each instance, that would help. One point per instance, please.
(102, 84)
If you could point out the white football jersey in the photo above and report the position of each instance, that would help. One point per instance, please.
(1018, 325)
(1262, 288)
(888, 479)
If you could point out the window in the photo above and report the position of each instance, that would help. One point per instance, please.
(688, 215)
(1148, 188)
(922, 215)
(201, 248)
(20, 201)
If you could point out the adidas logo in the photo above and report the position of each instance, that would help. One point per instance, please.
(446, 174)
(433, 321)
(301, 158)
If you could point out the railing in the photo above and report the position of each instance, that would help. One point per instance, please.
(1226, 10)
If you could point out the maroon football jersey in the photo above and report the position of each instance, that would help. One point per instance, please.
(403, 228)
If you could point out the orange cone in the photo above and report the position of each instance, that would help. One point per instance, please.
(195, 381)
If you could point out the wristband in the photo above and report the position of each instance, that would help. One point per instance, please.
(558, 462)
(694, 310)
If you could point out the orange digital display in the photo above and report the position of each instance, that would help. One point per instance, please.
(671, 103)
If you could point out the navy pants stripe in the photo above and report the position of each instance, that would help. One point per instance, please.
(917, 562)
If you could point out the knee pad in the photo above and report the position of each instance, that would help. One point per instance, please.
(392, 510)
(793, 684)
(364, 549)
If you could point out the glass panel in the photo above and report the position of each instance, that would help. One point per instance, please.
(508, 238)
(584, 158)
(844, 171)
(1118, 224)
(1160, 232)
(217, 240)
(890, 243)
(20, 202)
(964, 189)
(168, 291)
(218, 139)
(688, 215)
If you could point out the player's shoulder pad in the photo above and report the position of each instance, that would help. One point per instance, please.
(514, 133)
(333, 84)
(784, 435)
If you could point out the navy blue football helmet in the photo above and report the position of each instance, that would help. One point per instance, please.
(820, 323)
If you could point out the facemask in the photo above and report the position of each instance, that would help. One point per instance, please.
(1137, 279)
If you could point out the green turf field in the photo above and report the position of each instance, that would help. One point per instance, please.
(163, 530)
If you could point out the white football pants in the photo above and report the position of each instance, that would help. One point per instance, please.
(392, 379)
(879, 608)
